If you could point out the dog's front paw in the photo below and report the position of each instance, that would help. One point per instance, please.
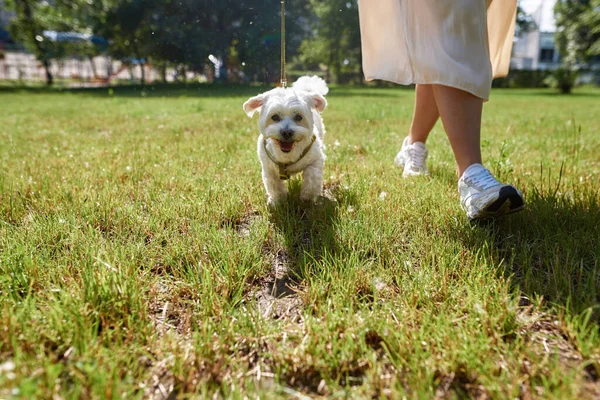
(308, 198)
(275, 201)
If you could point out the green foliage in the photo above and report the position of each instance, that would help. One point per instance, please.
(27, 28)
(33, 17)
(578, 33)
(336, 40)
(563, 79)
(523, 78)
(244, 35)
(525, 22)
(577, 37)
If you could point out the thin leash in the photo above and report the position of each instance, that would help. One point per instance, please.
(283, 80)
(283, 172)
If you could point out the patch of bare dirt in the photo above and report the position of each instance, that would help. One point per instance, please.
(161, 384)
(241, 223)
(547, 336)
(278, 295)
(330, 191)
(461, 383)
(170, 314)
(168, 309)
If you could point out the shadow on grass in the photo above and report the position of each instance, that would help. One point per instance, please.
(551, 249)
(308, 232)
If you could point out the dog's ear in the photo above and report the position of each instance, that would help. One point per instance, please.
(253, 104)
(317, 101)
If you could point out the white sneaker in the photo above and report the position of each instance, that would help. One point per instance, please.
(412, 158)
(483, 197)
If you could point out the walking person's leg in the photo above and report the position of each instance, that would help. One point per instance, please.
(455, 58)
(461, 116)
(481, 195)
(412, 157)
(425, 114)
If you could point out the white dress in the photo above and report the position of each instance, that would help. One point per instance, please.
(457, 43)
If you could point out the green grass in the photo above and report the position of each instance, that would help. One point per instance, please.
(138, 257)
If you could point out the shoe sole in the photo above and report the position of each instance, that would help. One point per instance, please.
(411, 174)
(509, 201)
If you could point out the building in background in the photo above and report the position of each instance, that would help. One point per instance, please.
(535, 49)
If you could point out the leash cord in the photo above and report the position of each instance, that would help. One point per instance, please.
(283, 77)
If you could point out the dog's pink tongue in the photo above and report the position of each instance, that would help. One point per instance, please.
(286, 146)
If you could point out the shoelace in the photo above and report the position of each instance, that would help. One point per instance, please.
(417, 156)
(484, 179)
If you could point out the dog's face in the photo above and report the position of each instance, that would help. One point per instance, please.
(286, 119)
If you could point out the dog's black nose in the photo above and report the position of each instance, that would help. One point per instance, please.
(287, 133)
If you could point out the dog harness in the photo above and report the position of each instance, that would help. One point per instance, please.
(283, 173)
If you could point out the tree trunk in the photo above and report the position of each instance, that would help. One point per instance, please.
(565, 88)
(143, 77)
(163, 72)
(49, 77)
(109, 68)
(41, 52)
(94, 72)
(183, 74)
(223, 69)
(329, 66)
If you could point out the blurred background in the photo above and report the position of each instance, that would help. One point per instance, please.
(89, 43)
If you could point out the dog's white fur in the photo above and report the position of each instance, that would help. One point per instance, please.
(297, 111)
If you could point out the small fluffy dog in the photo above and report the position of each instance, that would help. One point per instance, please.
(291, 136)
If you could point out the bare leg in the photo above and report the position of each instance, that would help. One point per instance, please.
(461, 116)
(425, 114)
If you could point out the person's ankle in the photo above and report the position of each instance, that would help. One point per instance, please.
(412, 139)
(466, 166)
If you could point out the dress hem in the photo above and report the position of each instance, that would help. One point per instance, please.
(416, 81)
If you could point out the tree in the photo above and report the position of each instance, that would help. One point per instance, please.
(256, 43)
(184, 33)
(336, 41)
(35, 18)
(525, 22)
(243, 35)
(126, 25)
(577, 36)
(27, 28)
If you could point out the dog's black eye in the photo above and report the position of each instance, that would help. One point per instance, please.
(298, 118)
(276, 118)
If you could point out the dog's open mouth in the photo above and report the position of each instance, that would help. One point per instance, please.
(286, 147)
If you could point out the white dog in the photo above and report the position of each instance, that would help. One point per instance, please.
(291, 139)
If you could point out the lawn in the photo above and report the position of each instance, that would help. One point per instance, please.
(138, 258)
